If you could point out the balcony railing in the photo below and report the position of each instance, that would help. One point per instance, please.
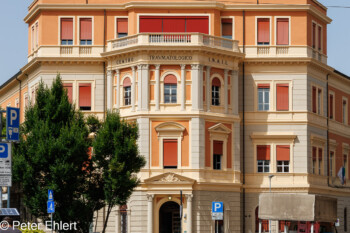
(173, 39)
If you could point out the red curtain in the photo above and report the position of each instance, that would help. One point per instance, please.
(282, 31)
(263, 85)
(282, 97)
(314, 35)
(174, 24)
(263, 30)
(218, 148)
(216, 82)
(86, 29)
(283, 153)
(85, 95)
(122, 25)
(126, 82)
(263, 152)
(66, 29)
(150, 24)
(197, 24)
(170, 152)
(69, 88)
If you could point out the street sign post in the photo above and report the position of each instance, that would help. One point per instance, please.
(12, 124)
(5, 181)
(5, 159)
(217, 212)
(50, 206)
(50, 195)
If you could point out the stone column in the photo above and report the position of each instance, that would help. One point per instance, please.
(144, 92)
(208, 88)
(226, 91)
(150, 213)
(189, 213)
(139, 87)
(117, 220)
(109, 89)
(157, 87)
(234, 92)
(183, 88)
(118, 89)
(133, 88)
(197, 87)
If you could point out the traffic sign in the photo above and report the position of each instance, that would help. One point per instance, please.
(12, 124)
(50, 195)
(5, 159)
(50, 207)
(5, 181)
(217, 210)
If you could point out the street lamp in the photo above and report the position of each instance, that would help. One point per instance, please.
(270, 177)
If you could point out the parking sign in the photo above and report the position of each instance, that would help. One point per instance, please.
(217, 210)
(12, 124)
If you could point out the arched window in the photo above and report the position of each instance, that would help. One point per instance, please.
(264, 223)
(127, 91)
(170, 89)
(215, 92)
(123, 219)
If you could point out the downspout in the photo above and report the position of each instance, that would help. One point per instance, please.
(327, 88)
(19, 92)
(243, 127)
(104, 65)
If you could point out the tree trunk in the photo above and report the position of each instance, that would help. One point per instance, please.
(109, 209)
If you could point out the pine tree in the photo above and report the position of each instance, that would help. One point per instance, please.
(53, 154)
(116, 155)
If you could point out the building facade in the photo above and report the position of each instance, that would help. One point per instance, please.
(225, 94)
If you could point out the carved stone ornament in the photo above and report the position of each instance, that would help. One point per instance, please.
(170, 178)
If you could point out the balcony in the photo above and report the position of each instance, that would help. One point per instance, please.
(173, 40)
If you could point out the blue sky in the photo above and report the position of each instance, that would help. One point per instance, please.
(14, 36)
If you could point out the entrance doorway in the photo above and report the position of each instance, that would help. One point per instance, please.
(169, 218)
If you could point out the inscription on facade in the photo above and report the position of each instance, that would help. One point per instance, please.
(170, 57)
(124, 60)
(218, 61)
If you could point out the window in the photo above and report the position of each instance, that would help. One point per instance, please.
(218, 153)
(33, 37)
(69, 88)
(122, 27)
(66, 31)
(26, 100)
(263, 97)
(215, 92)
(127, 91)
(123, 219)
(320, 156)
(319, 38)
(219, 226)
(283, 158)
(17, 103)
(263, 31)
(319, 101)
(345, 111)
(85, 96)
(36, 35)
(170, 153)
(314, 159)
(346, 165)
(314, 35)
(282, 97)
(264, 223)
(282, 31)
(226, 28)
(85, 31)
(331, 163)
(170, 89)
(314, 99)
(331, 104)
(174, 24)
(263, 158)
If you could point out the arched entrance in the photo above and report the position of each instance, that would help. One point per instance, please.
(169, 218)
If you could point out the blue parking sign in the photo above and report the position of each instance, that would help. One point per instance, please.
(12, 124)
(4, 150)
(217, 207)
(50, 207)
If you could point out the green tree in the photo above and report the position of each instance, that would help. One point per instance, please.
(117, 156)
(53, 154)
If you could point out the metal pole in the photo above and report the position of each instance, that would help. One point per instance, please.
(51, 223)
(270, 177)
(0, 197)
(217, 226)
(180, 211)
(8, 196)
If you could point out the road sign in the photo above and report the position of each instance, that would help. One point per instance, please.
(5, 159)
(50, 195)
(217, 210)
(12, 124)
(6, 181)
(50, 207)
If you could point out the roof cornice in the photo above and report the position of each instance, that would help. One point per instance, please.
(188, 5)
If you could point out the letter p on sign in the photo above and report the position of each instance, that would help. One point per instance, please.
(218, 207)
(13, 116)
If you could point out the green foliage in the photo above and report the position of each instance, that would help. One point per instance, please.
(25, 230)
(93, 123)
(3, 122)
(53, 154)
(116, 155)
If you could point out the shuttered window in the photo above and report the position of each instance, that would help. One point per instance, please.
(282, 31)
(217, 155)
(283, 158)
(122, 27)
(331, 100)
(263, 97)
(314, 157)
(263, 31)
(282, 97)
(85, 31)
(215, 92)
(69, 88)
(319, 38)
(66, 31)
(263, 158)
(85, 96)
(174, 24)
(313, 35)
(320, 156)
(226, 28)
(170, 153)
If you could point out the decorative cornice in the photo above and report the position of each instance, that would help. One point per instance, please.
(273, 135)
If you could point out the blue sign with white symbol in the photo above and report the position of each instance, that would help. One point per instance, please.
(4, 150)
(50, 195)
(217, 207)
(12, 124)
(50, 207)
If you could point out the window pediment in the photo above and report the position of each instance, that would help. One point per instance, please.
(170, 129)
(219, 129)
